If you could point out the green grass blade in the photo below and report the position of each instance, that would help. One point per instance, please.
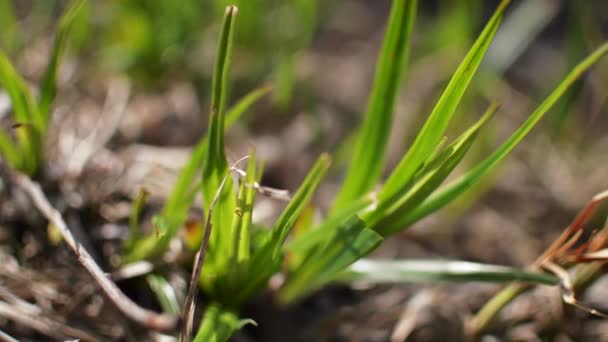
(368, 161)
(351, 241)
(10, 36)
(48, 87)
(437, 122)
(165, 293)
(299, 201)
(15, 86)
(24, 111)
(8, 150)
(415, 271)
(236, 111)
(452, 190)
(215, 166)
(386, 219)
(325, 230)
(219, 324)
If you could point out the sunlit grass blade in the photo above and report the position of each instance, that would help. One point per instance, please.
(48, 87)
(165, 293)
(437, 122)
(299, 201)
(415, 271)
(325, 230)
(10, 36)
(447, 193)
(351, 241)
(215, 166)
(236, 111)
(368, 159)
(24, 110)
(22, 100)
(219, 324)
(8, 150)
(386, 219)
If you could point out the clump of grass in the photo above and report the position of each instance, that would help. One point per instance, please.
(234, 266)
(31, 114)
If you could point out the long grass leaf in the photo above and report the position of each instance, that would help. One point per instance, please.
(386, 219)
(351, 241)
(452, 190)
(164, 292)
(415, 271)
(8, 150)
(243, 104)
(24, 110)
(326, 229)
(48, 87)
(368, 160)
(442, 113)
(299, 201)
(215, 165)
(10, 36)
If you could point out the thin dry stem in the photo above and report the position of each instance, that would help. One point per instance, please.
(147, 318)
(41, 324)
(189, 307)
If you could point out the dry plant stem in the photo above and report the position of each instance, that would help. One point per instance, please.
(147, 318)
(199, 260)
(488, 312)
(43, 325)
(6, 337)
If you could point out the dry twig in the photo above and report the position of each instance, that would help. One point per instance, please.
(188, 313)
(129, 308)
(42, 324)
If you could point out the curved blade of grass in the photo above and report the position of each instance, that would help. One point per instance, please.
(351, 241)
(442, 113)
(452, 190)
(164, 292)
(289, 216)
(414, 271)
(237, 110)
(8, 150)
(10, 37)
(24, 112)
(215, 165)
(48, 87)
(368, 160)
(323, 232)
(386, 219)
(22, 100)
